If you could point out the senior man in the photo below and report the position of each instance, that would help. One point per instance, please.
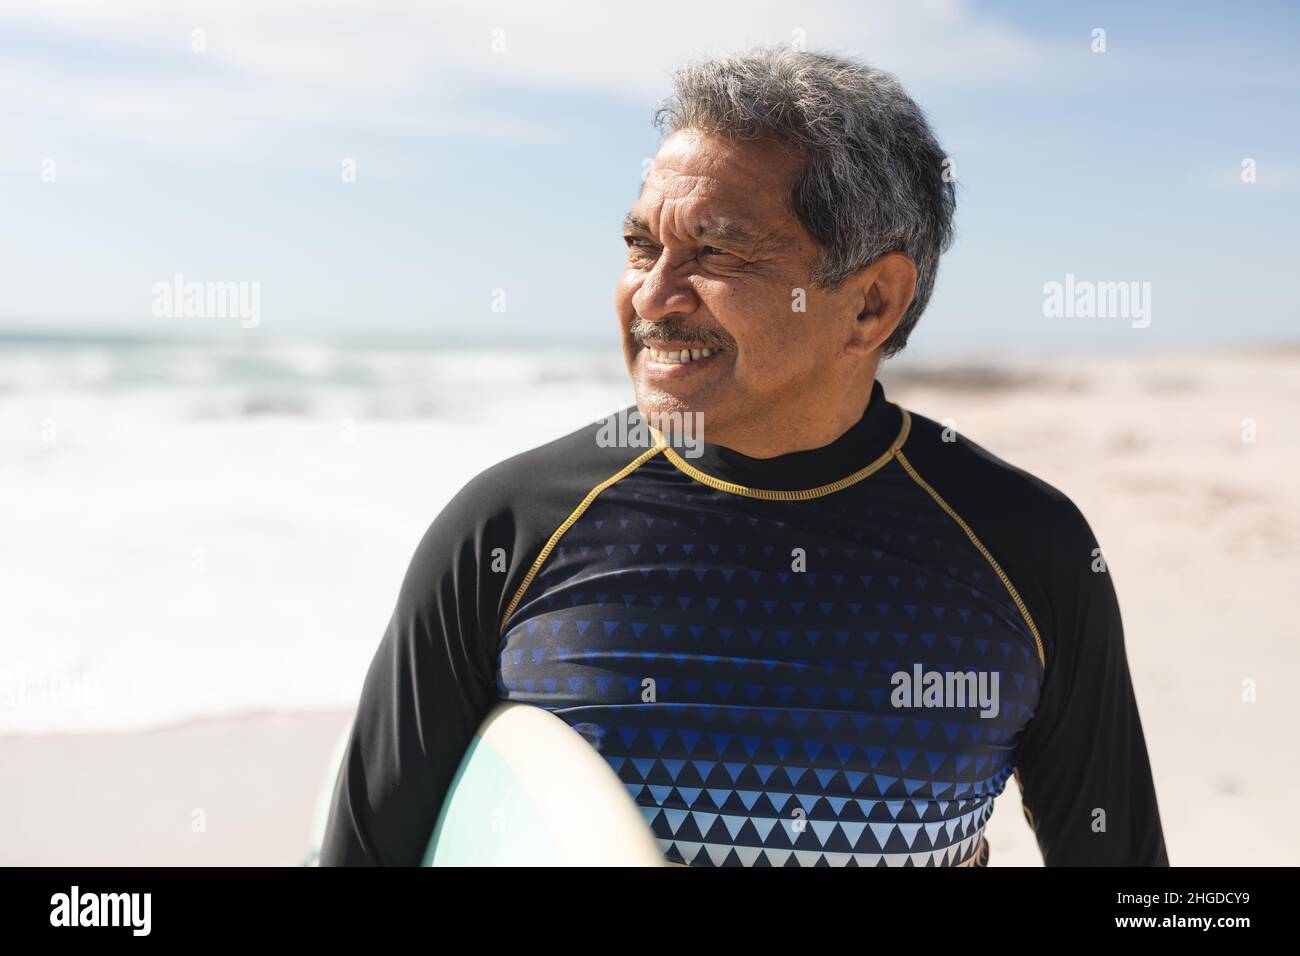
(761, 632)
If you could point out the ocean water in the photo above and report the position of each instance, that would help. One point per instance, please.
(192, 529)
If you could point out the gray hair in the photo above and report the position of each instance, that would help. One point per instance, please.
(875, 177)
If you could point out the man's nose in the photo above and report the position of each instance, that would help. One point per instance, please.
(664, 291)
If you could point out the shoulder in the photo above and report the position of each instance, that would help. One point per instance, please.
(557, 474)
(1033, 530)
(486, 537)
(992, 488)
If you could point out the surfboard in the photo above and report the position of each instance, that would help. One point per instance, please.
(530, 791)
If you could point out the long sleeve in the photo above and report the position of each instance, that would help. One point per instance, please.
(435, 676)
(429, 687)
(1081, 761)
(1082, 766)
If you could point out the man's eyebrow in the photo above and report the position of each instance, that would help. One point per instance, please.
(724, 231)
(633, 223)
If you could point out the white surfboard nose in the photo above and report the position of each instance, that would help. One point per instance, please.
(532, 791)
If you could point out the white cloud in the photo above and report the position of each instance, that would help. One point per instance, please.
(273, 74)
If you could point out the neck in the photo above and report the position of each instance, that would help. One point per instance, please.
(804, 465)
(808, 425)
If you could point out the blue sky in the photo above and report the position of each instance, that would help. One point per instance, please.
(480, 169)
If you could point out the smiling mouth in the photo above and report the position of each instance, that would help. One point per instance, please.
(680, 356)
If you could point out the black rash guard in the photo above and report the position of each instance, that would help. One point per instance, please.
(761, 648)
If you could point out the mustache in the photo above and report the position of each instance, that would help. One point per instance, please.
(677, 330)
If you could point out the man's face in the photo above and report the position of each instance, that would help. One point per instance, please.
(718, 265)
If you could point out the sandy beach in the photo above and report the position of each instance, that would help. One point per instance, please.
(232, 792)
(1184, 465)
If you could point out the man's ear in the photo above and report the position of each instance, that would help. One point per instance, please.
(886, 288)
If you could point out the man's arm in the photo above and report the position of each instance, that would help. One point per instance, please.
(434, 677)
(1082, 763)
(1083, 750)
(430, 685)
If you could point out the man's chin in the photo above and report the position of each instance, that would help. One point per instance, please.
(670, 412)
(654, 403)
